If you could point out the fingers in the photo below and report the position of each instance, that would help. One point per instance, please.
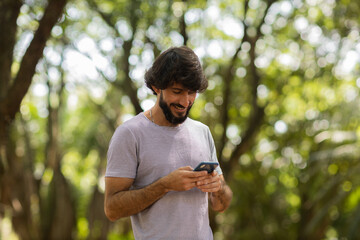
(183, 179)
(212, 187)
(212, 183)
(186, 168)
(188, 172)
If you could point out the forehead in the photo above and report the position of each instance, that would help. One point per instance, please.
(177, 86)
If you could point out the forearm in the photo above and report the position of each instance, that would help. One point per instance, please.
(221, 199)
(130, 202)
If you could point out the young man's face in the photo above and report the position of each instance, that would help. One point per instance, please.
(176, 102)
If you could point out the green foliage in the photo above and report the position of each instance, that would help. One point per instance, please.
(299, 177)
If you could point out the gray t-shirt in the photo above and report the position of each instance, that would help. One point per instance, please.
(144, 151)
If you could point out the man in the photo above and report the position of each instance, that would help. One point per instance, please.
(150, 174)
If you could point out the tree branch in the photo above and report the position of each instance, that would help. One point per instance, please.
(106, 17)
(156, 50)
(31, 57)
(183, 24)
(256, 118)
(9, 12)
(228, 78)
(127, 85)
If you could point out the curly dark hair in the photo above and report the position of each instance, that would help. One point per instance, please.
(177, 65)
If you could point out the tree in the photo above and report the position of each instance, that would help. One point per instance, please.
(14, 85)
(282, 105)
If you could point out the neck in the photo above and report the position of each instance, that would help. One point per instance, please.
(157, 116)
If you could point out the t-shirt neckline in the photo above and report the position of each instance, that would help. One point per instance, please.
(165, 127)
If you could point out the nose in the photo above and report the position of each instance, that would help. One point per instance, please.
(186, 100)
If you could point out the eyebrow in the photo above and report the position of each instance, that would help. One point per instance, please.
(182, 89)
(178, 89)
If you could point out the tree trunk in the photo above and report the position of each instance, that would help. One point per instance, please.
(16, 179)
(9, 12)
(62, 210)
(17, 187)
(99, 225)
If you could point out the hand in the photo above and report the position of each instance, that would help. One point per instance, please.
(183, 179)
(209, 183)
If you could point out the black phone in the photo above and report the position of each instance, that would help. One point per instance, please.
(206, 166)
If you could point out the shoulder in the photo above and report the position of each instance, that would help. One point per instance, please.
(196, 123)
(131, 126)
(197, 126)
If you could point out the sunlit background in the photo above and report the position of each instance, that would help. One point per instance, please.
(282, 105)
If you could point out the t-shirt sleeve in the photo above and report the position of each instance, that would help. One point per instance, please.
(122, 154)
(213, 151)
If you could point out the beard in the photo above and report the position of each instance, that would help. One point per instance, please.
(169, 115)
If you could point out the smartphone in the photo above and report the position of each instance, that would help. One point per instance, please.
(206, 166)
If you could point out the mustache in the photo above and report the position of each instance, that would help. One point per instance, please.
(177, 105)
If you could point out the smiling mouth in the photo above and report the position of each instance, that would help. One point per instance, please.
(178, 107)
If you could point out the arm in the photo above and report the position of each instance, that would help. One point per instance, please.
(220, 194)
(122, 202)
(221, 199)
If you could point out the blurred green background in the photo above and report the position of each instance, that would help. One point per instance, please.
(282, 105)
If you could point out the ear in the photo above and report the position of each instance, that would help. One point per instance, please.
(157, 90)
